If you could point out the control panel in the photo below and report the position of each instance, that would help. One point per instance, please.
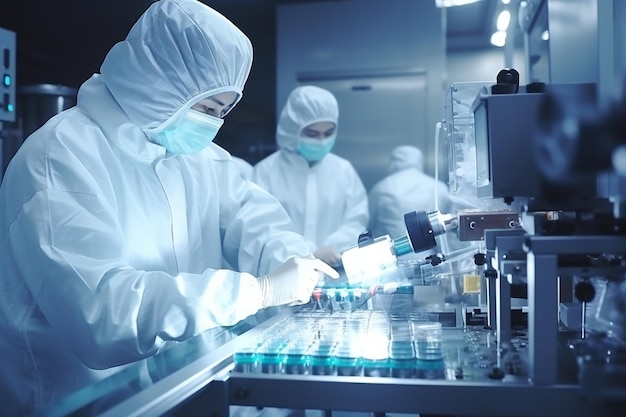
(7, 72)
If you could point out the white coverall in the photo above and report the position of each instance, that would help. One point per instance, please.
(109, 248)
(407, 188)
(326, 200)
(245, 167)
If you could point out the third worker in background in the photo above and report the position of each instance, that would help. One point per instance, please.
(321, 191)
(407, 188)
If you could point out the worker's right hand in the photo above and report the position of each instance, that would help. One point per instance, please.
(293, 282)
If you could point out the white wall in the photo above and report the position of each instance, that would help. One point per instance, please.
(574, 45)
(620, 42)
(481, 65)
(612, 49)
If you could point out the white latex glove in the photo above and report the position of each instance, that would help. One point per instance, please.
(293, 282)
(329, 255)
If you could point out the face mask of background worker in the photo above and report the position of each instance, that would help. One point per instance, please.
(317, 140)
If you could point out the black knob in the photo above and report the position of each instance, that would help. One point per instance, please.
(435, 259)
(491, 274)
(365, 238)
(507, 82)
(496, 373)
(480, 258)
(584, 291)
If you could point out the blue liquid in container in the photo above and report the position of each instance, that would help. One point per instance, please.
(430, 369)
(246, 361)
(348, 358)
(322, 360)
(402, 359)
(376, 367)
(296, 360)
(349, 366)
(270, 356)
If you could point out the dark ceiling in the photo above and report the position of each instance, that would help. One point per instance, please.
(64, 41)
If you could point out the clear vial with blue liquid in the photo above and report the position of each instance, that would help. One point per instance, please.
(376, 355)
(295, 359)
(246, 359)
(348, 357)
(428, 339)
(270, 356)
(322, 358)
(401, 348)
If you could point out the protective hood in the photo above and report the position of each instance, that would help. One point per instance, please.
(306, 105)
(405, 157)
(178, 52)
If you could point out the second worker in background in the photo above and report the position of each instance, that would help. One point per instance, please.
(321, 191)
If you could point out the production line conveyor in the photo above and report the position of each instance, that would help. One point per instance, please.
(362, 361)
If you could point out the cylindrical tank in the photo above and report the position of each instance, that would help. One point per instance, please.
(35, 105)
(38, 103)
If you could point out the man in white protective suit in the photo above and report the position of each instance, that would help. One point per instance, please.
(119, 216)
(321, 191)
(406, 188)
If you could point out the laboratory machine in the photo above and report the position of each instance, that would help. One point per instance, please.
(8, 66)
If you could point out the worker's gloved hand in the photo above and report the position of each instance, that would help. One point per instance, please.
(329, 255)
(293, 282)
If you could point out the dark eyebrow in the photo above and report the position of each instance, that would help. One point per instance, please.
(214, 100)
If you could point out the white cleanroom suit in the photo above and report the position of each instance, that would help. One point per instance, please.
(406, 188)
(325, 199)
(111, 247)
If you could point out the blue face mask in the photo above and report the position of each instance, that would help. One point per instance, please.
(192, 133)
(314, 150)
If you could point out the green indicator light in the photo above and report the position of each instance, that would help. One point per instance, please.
(10, 107)
(7, 80)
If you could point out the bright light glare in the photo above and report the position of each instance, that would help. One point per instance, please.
(504, 18)
(545, 35)
(363, 265)
(619, 159)
(506, 1)
(452, 3)
(498, 38)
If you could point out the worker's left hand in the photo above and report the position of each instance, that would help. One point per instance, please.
(329, 255)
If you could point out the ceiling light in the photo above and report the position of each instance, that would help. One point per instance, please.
(506, 1)
(452, 3)
(504, 18)
(498, 38)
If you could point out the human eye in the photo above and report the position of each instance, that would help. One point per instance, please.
(210, 110)
(200, 108)
(207, 108)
